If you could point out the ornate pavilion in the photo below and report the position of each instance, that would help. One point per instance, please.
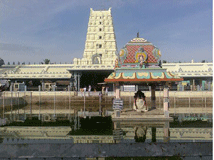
(138, 63)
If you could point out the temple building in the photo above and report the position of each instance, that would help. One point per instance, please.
(98, 62)
(99, 54)
(100, 44)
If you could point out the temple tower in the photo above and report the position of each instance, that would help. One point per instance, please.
(100, 45)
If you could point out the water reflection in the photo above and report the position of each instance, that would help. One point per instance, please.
(136, 131)
(103, 130)
(140, 134)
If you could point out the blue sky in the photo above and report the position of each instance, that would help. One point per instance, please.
(56, 29)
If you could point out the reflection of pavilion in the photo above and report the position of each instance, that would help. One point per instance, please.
(139, 130)
(124, 132)
(158, 132)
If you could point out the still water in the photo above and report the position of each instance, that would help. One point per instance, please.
(101, 137)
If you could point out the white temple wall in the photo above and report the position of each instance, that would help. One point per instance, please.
(100, 39)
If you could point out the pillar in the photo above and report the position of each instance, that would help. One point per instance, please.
(166, 101)
(75, 81)
(153, 134)
(193, 84)
(43, 85)
(116, 125)
(117, 102)
(11, 87)
(153, 105)
(78, 81)
(71, 86)
(117, 132)
(117, 90)
(166, 136)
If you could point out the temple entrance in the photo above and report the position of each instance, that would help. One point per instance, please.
(94, 77)
(96, 59)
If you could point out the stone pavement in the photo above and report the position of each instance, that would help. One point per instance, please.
(46, 150)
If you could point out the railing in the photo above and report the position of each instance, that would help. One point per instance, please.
(19, 105)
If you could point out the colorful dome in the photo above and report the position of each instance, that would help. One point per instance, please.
(138, 63)
(139, 47)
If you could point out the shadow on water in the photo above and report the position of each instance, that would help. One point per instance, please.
(36, 122)
(94, 126)
(103, 123)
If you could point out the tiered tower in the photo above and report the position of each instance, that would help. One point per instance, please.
(100, 45)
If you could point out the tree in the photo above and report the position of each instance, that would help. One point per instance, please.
(1, 62)
(18, 63)
(203, 61)
(164, 61)
(47, 61)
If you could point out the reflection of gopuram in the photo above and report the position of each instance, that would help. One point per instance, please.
(140, 102)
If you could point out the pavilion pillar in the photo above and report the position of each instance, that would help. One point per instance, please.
(166, 101)
(153, 104)
(117, 102)
(166, 136)
(117, 90)
(117, 132)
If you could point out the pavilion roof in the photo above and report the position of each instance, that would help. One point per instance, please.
(138, 62)
(142, 75)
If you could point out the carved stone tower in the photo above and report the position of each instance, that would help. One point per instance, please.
(100, 45)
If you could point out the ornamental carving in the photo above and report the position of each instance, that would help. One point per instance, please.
(141, 55)
(156, 53)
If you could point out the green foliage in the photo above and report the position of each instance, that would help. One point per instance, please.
(47, 61)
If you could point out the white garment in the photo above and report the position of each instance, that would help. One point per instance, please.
(140, 105)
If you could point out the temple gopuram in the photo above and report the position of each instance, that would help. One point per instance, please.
(138, 64)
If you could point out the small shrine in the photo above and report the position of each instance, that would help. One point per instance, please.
(138, 63)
